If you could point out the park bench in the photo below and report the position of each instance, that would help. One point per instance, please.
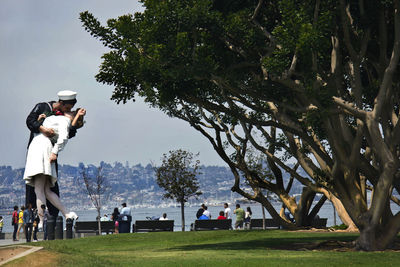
(319, 222)
(93, 227)
(204, 225)
(269, 223)
(153, 226)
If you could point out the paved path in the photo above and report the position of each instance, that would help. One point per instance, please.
(6, 242)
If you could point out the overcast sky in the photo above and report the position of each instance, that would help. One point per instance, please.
(44, 49)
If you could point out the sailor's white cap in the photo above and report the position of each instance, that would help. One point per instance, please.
(66, 95)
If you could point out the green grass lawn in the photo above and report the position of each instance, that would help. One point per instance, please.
(211, 248)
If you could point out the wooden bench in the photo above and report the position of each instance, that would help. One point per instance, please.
(269, 223)
(93, 227)
(154, 226)
(319, 222)
(205, 225)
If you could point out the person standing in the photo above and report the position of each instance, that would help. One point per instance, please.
(21, 224)
(247, 218)
(67, 99)
(227, 211)
(28, 220)
(36, 221)
(239, 212)
(1, 224)
(125, 211)
(46, 215)
(125, 219)
(14, 222)
(114, 218)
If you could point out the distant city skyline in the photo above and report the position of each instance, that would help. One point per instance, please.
(45, 49)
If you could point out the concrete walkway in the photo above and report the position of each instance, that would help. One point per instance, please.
(7, 242)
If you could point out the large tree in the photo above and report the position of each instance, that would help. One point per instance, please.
(313, 79)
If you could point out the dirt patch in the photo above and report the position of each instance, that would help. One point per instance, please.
(9, 252)
(39, 258)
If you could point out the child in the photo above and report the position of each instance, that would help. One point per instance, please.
(221, 216)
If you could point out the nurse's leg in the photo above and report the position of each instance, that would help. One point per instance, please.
(40, 183)
(54, 199)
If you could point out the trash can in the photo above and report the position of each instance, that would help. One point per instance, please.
(124, 223)
(51, 224)
(59, 228)
(68, 225)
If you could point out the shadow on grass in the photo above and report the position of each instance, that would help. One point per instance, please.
(262, 243)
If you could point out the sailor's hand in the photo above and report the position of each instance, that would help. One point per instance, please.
(53, 157)
(48, 132)
(41, 116)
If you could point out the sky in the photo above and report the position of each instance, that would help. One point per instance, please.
(45, 49)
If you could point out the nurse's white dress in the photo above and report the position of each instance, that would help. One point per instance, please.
(38, 157)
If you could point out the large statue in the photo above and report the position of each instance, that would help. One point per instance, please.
(51, 124)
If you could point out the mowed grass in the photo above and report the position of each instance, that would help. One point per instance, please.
(209, 248)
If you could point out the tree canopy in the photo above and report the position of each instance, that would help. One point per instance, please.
(311, 81)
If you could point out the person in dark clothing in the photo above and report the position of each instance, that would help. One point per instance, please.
(15, 222)
(28, 219)
(67, 100)
(114, 218)
(36, 221)
(200, 211)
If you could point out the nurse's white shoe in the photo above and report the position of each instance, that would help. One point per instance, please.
(71, 215)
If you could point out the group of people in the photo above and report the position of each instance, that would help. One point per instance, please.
(27, 219)
(125, 215)
(243, 218)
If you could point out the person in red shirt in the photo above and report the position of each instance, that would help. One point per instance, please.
(221, 216)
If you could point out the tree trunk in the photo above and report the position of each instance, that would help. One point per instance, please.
(263, 214)
(342, 213)
(98, 221)
(183, 215)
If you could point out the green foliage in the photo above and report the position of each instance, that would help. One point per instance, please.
(177, 175)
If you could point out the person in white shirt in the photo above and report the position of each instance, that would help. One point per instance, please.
(164, 217)
(104, 218)
(206, 212)
(227, 211)
(125, 211)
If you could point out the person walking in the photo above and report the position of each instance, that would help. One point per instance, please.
(21, 224)
(239, 212)
(14, 222)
